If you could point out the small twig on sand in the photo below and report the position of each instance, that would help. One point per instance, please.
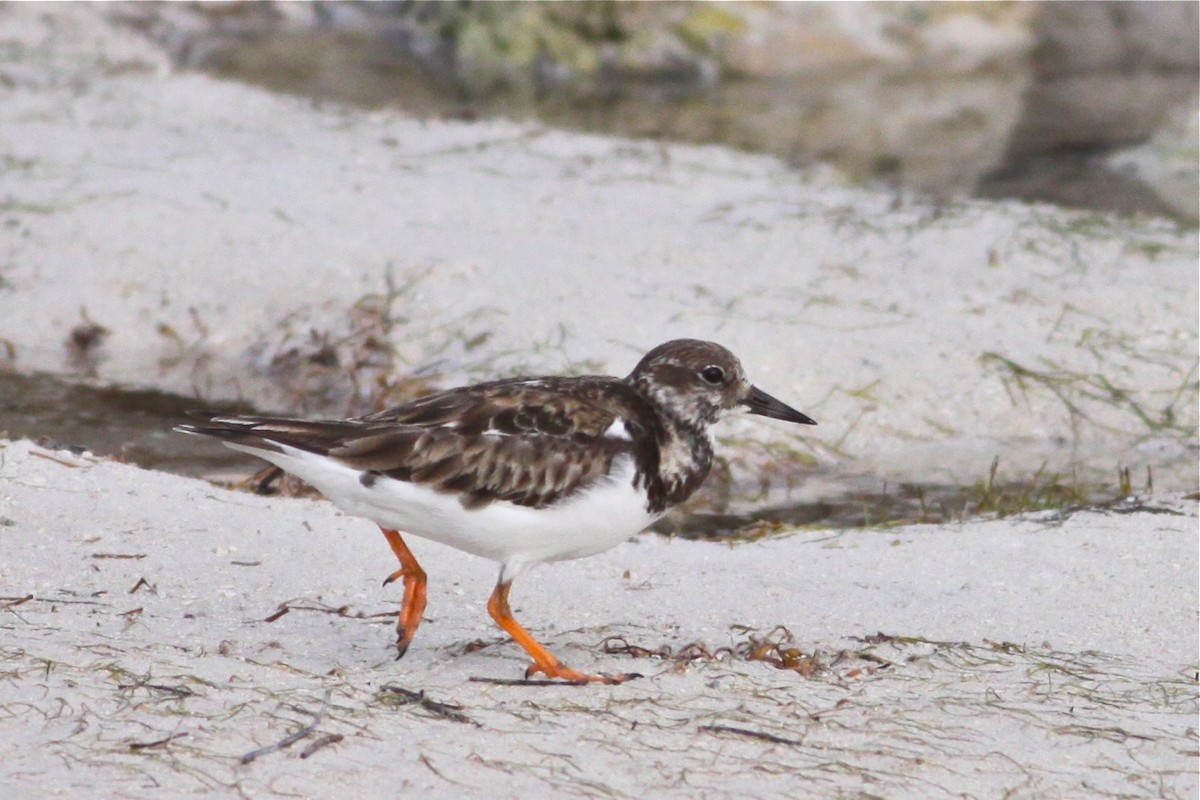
(324, 741)
(524, 681)
(768, 737)
(424, 759)
(55, 459)
(157, 742)
(291, 738)
(448, 711)
(178, 691)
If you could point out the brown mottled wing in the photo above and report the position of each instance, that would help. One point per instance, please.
(531, 442)
(553, 406)
(528, 471)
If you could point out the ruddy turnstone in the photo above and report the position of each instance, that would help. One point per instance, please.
(520, 471)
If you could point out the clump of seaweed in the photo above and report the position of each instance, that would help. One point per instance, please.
(777, 647)
(1083, 394)
(356, 368)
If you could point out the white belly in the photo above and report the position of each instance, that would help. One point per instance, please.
(591, 522)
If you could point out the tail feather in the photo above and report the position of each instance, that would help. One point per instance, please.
(268, 433)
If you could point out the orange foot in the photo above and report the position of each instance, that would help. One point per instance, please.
(560, 672)
(412, 607)
(544, 662)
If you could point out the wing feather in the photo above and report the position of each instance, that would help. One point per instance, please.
(532, 442)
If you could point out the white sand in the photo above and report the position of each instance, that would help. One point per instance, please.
(1067, 667)
(211, 226)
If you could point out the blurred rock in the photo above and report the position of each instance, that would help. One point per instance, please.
(999, 99)
(1107, 73)
(1167, 162)
(780, 39)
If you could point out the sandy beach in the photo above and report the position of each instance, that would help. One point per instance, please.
(1040, 657)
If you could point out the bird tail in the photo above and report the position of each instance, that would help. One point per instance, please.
(267, 433)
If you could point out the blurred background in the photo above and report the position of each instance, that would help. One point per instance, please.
(173, 237)
(1088, 105)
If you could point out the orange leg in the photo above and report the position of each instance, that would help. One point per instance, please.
(543, 660)
(412, 608)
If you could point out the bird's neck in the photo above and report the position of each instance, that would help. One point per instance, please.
(684, 458)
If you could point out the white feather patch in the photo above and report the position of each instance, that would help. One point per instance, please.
(618, 431)
(589, 522)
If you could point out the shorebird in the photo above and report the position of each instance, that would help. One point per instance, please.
(521, 471)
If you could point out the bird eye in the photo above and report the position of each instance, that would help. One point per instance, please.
(714, 375)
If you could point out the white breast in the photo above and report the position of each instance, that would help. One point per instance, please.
(590, 522)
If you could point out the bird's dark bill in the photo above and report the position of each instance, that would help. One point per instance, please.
(762, 403)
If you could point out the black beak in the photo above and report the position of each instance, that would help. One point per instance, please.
(762, 403)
